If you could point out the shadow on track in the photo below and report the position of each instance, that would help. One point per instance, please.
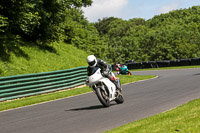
(89, 108)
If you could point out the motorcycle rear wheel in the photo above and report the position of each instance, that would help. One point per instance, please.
(129, 73)
(103, 98)
(119, 99)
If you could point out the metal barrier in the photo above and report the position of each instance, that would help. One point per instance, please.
(12, 87)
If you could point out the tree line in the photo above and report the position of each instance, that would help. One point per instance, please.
(169, 36)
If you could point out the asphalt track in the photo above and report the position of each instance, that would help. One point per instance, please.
(85, 114)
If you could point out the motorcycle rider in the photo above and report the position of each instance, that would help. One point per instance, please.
(93, 62)
(118, 68)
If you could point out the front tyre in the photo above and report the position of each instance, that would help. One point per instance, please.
(103, 97)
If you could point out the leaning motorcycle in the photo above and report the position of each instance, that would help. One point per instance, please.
(123, 70)
(105, 90)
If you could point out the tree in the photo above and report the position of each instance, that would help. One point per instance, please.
(33, 20)
(39, 19)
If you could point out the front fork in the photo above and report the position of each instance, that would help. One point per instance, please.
(101, 86)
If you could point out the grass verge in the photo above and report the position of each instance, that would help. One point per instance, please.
(62, 94)
(184, 119)
(39, 60)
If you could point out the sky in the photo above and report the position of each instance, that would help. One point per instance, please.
(128, 9)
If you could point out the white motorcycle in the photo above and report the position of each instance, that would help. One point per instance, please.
(105, 90)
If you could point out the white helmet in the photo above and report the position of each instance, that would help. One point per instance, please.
(91, 60)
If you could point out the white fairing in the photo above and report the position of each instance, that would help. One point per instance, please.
(97, 77)
(111, 88)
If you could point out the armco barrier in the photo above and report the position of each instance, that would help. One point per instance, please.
(12, 87)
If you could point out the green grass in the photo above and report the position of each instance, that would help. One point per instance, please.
(40, 60)
(183, 119)
(133, 78)
(62, 94)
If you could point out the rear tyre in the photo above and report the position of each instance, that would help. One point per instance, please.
(129, 73)
(103, 98)
(120, 98)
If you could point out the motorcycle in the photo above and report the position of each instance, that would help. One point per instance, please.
(105, 90)
(123, 70)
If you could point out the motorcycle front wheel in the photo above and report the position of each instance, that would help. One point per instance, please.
(103, 97)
